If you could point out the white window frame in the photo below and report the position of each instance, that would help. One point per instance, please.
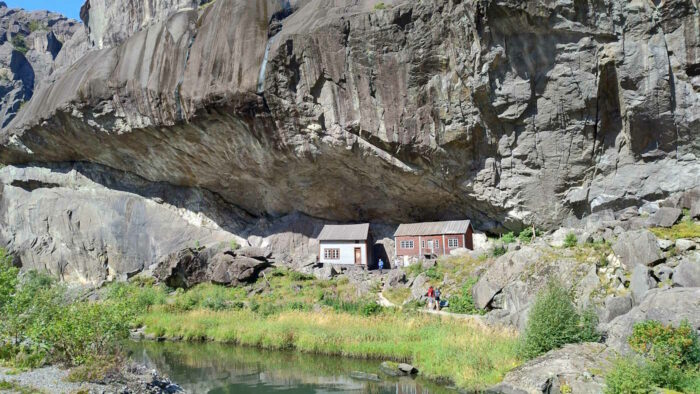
(452, 242)
(407, 244)
(331, 254)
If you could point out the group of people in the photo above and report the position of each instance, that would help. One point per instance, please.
(433, 295)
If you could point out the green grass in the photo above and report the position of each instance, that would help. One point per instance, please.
(14, 387)
(466, 352)
(294, 311)
(684, 229)
(397, 295)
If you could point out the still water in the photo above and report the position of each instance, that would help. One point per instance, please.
(217, 368)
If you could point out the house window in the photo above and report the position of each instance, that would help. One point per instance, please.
(437, 244)
(422, 244)
(407, 244)
(453, 242)
(331, 254)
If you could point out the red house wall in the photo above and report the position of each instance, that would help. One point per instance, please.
(463, 240)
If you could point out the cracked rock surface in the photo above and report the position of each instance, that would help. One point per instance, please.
(509, 113)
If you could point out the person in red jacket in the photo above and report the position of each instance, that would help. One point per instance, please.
(431, 297)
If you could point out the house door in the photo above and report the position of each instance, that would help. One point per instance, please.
(430, 246)
(358, 256)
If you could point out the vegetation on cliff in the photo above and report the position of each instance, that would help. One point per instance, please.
(665, 356)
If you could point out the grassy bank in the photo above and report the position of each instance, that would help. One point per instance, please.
(465, 352)
(288, 310)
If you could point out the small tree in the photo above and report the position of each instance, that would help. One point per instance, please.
(554, 321)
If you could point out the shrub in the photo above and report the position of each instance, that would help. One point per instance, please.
(233, 244)
(554, 321)
(433, 273)
(380, 6)
(298, 276)
(672, 354)
(656, 341)
(570, 240)
(499, 250)
(628, 376)
(8, 278)
(527, 234)
(508, 238)
(20, 44)
(464, 302)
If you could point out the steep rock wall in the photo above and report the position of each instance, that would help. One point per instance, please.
(505, 112)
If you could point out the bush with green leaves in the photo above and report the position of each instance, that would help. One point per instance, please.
(555, 321)
(464, 302)
(41, 324)
(499, 250)
(527, 234)
(666, 357)
(570, 240)
(380, 6)
(19, 43)
(508, 238)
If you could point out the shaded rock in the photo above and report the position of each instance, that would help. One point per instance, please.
(695, 210)
(407, 369)
(578, 367)
(365, 376)
(427, 264)
(640, 283)
(683, 245)
(504, 270)
(420, 286)
(687, 273)
(254, 253)
(390, 369)
(326, 272)
(665, 244)
(669, 306)
(234, 270)
(395, 278)
(663, 272)
(397, 369)
(637, 248)
(665, 217)
(616, 306)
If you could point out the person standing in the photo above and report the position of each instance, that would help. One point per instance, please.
(381, 266)
(437, 298)
(431, 297)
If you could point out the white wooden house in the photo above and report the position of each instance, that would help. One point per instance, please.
(347, 244)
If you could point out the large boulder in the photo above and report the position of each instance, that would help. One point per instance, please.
(503, 271)
(669, 306)
(578, 367)
(395, 278)
(687, 273)
(420, 286)
(640, 282)
(616, 306)
(665, 217)
(637, 247)
(227, 269)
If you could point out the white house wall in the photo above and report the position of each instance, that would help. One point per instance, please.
(347, 252)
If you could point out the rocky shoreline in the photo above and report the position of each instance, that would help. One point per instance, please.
(132, 378)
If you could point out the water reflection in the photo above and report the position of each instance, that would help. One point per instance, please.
(218, 368)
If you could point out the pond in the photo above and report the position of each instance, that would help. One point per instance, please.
(219, 368)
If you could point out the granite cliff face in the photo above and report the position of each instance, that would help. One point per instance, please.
(506, 112)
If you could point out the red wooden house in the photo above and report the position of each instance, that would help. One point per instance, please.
(432, 239)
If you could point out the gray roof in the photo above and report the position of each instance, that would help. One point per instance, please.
(433, 228)
(344, 232)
